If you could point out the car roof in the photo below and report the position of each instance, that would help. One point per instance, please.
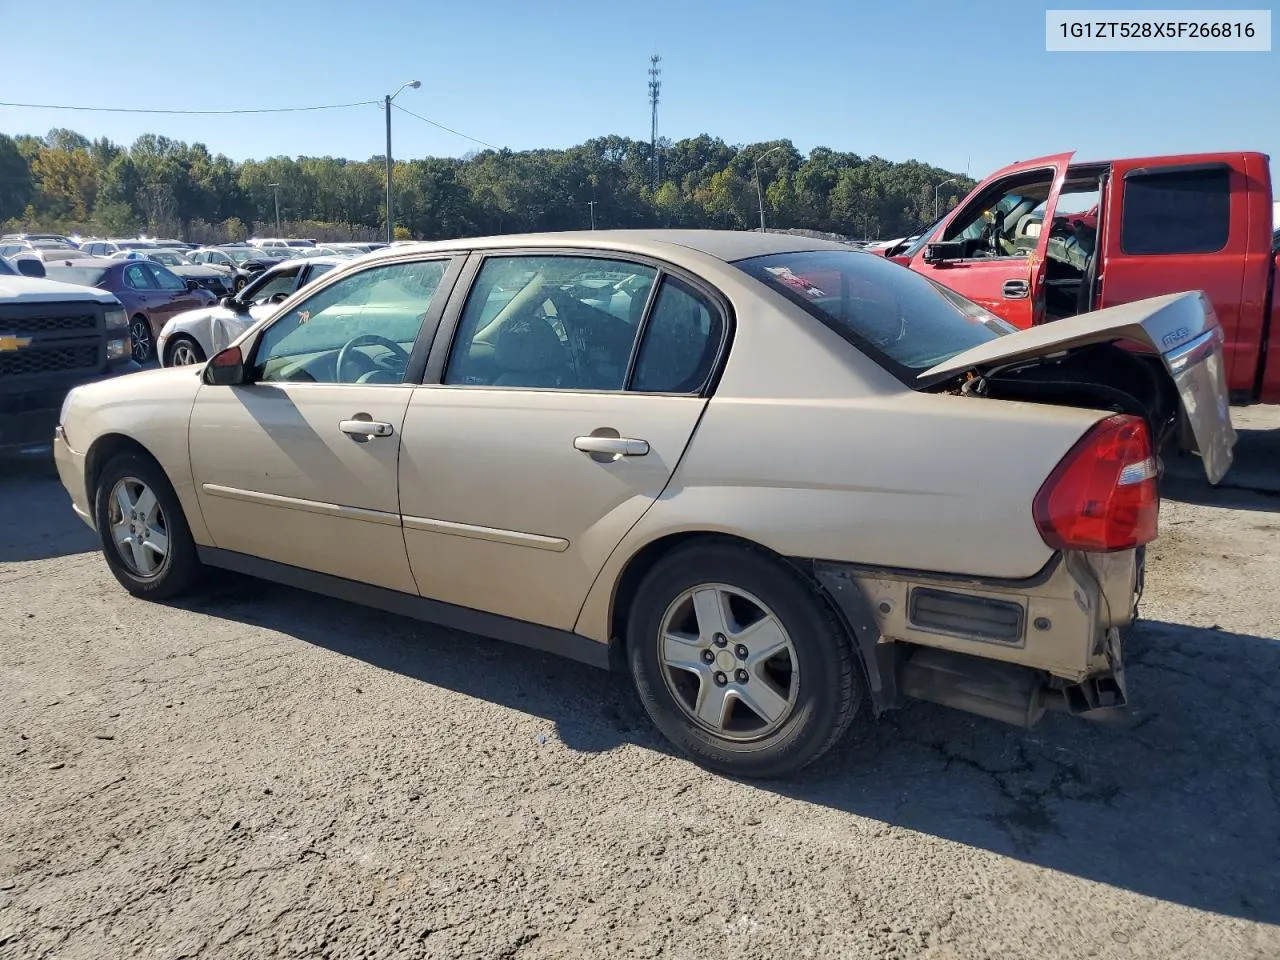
(726, 245)
(285, 264)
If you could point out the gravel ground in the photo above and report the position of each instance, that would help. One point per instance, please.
(263, 773)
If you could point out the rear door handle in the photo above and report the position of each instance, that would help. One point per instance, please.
(1016, 289)
(612, 446)
(366, 429)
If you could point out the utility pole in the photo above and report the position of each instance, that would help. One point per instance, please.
(415, 84)
(592, 205)
(759, 192)
(277, 189)
(655, 87)
(935, 196)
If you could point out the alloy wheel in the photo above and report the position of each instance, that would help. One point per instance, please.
(183, 354)
(728, 662)
(140, 335)
(138, 527)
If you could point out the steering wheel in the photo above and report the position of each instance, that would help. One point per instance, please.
(367, 340)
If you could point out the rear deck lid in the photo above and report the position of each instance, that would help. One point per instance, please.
(1181, 328)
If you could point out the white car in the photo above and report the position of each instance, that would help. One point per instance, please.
(196, 335)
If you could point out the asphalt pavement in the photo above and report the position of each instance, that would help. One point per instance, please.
(260, 772)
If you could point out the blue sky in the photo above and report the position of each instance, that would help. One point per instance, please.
(956, 84)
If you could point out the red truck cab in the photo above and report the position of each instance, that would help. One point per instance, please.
(1049, 238)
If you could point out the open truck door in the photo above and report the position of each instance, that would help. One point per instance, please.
(992, 247)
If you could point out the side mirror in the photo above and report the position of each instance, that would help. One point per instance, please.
(226, 369)
(30, 267)
(229, 301)
(278, 297)
(943, 251)
(193, 286)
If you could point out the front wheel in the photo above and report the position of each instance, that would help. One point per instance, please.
(145, 538)
(740, 662)
(184, 351)
(239, 284)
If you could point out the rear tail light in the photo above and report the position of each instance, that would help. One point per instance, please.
(1102, 496)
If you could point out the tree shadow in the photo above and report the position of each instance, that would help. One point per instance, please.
(1178, 799)
(39, 523)
(1252, 483)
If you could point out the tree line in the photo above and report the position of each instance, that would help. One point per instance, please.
(65, 182)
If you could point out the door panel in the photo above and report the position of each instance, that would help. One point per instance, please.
(278, 478)
(502, 513)
(1007, 285)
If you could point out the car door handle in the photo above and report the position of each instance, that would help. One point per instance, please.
(1016, 289)
(612, 446)
(366, 429)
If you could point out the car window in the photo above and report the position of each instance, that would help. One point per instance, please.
(681, 338)
(375, 314)
(1176, 211)
(166, 280)
(315, 271)
(550, 321)
(283, 281)
(138, 277)
(904, 321)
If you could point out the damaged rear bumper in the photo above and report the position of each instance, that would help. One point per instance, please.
(1005, 649)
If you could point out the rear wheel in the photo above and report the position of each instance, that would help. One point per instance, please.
(740, 662)
(145, 538)
(140, 336)
(239, 284)
(184, 351)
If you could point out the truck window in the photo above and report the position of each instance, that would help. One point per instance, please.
(1176, 211)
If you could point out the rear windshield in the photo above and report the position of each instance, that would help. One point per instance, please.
(902, 320)
(84, 276)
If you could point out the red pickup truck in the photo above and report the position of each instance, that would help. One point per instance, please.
(1049, 238)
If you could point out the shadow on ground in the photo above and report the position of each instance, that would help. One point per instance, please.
(1177, 799)
(1252, 483)
(29, 488)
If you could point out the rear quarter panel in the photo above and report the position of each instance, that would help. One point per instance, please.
(812, 450)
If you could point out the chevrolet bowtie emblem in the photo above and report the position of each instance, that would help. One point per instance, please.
(13, 343)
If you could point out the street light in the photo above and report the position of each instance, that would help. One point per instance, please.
(276, 186)
(935, 196)
(592, 205)
(415, 84)
(759, 192)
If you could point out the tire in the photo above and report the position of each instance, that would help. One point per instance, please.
(822, 696)
(142, 337)
(183, 351)
(177, 568)
(239, 284)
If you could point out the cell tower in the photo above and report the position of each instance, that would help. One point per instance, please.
(655, 86)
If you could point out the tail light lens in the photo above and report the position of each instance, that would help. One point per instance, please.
(1102, 497)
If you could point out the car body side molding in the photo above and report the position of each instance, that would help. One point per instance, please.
(562, 643)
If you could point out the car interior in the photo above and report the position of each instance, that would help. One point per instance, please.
(1009, 222)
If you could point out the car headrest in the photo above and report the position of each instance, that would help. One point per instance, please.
(528, 345)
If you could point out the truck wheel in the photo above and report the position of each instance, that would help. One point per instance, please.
(140, 335)
(144, 533)
(739, 662)
(184, 351)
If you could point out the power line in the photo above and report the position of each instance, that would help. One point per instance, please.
(325, 106)
(456, 133)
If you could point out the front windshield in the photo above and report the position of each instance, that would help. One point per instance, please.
(248, 253)
(170, 258)
(904, 321)
(84, 276)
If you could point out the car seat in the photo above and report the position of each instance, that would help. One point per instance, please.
(530, 353)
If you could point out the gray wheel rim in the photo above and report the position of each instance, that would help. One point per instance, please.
(138, 528)
(728, 662)
(140, 334)
(183, 354)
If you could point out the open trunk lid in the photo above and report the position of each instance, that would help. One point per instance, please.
(1181, 328)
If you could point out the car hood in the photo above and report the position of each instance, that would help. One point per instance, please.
(38, 290)
(1181, 328)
